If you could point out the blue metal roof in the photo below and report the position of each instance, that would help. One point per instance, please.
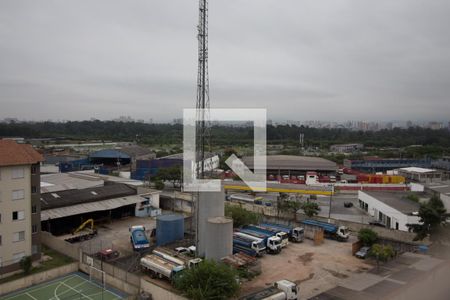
(109, 153)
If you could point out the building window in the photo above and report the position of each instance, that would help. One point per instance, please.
(34, 228)
(19, 236)
(18, 194)
(18, 215)
(18, 173)
(18, 256)
(33, 170)
(34, 189)
(33, 209)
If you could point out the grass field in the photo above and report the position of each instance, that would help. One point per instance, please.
(74, 286)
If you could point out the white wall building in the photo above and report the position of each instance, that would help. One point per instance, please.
(392, 209)
(420, 174)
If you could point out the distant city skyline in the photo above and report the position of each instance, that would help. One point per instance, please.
(326, 60)
(348, 124)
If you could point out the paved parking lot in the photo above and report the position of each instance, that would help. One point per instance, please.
(410, 276)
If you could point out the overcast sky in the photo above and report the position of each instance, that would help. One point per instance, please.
(302, 60)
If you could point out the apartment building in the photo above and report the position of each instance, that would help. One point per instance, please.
(19, 204)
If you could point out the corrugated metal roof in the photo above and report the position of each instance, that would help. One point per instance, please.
(135, 151)
(72, 197)
(68, 181)
(109, 153)
(293, 162)
(180, 156)
(72, 210)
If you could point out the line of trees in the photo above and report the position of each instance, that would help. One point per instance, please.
(222, 135)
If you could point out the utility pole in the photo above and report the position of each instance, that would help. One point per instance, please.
(331, 198)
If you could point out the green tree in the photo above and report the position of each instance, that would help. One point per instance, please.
(171, 174)
(208, 280)
(310, 208)
(432, 215)
(367, 236)
(26, 264)
(159, 185)
(289, 206)
(381, 253)
(241, 216)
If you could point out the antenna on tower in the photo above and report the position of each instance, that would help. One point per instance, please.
(202, 106)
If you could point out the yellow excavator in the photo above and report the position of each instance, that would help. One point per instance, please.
(84, 236)
(82, 226)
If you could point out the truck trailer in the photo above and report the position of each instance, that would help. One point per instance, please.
(256, 245)
(275, 232)
(241, 249)
(281, 290)
(159, 267)
(339, 233)
(272, 243)
(295, 234)
(177, 258)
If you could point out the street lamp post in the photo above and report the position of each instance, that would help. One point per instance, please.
(329, 207)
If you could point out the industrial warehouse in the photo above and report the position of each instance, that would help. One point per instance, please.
(296, 166)
(114, 187)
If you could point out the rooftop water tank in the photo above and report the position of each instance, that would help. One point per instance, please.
(169, 228)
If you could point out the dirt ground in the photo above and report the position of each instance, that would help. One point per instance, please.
(116, 235)
(315, 268)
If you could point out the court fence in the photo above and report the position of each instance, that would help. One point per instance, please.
(114, 276)
(37, 278)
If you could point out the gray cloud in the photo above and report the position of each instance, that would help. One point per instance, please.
(336, 60)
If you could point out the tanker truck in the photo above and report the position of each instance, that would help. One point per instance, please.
(275, 232)
(332, 231)
(159, 267)
(296, 234)
(272, 243)
(281, 290)
(256, 245)
(177, 258)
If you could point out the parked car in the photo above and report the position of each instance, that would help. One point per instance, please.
(107, 254)
(363, 252)
(348, 204)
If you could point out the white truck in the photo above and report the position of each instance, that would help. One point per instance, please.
(281, 290)
(177, 258)
(159, 267)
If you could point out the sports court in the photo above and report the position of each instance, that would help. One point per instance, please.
(73, 286)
